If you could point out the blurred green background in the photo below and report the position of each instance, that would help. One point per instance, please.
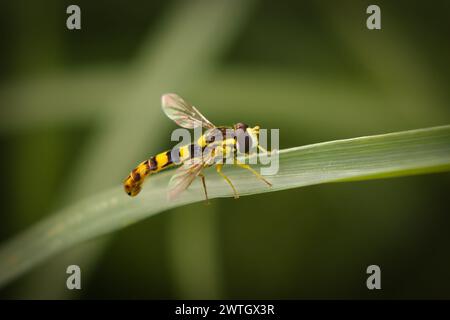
(80, 108)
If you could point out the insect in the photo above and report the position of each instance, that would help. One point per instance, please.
(215, 144)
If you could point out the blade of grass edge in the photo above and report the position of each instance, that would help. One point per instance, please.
(381, 156)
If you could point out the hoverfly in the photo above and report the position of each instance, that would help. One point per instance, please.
(216, 143)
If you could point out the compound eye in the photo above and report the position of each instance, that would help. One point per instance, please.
(241, 126)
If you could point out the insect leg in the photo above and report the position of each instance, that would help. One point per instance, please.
(204, 186)
(246, 166)
(262, 149)
(219, 171)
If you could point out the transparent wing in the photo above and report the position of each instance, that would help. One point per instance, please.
(183, 177)
(183, 113)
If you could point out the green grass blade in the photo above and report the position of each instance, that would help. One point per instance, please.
(381, 156)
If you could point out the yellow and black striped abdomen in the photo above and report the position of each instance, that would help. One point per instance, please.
(133, 183)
